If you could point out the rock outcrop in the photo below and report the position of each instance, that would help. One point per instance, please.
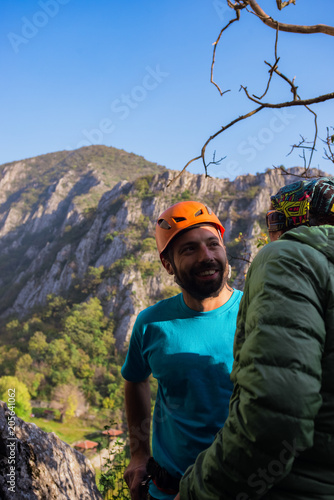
(35, 465)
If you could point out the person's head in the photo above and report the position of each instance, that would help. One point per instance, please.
(306, 202)
(276, 224)
(189, 238)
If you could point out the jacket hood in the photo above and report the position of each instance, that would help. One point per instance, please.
(319, 237)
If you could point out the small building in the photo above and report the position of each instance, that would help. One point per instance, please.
(86, 445)
(49, 414)
(112, 433)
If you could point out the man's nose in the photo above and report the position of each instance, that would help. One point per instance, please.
(205, 254)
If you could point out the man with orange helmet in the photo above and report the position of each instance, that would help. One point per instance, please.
(186, 342)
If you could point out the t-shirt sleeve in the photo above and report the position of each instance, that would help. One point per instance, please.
(136, 367)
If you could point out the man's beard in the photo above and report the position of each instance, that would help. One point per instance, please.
(198, 289)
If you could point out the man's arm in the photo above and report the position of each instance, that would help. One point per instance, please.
(138, 414)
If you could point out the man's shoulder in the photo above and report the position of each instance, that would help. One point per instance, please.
(161, 311)
(237, 293)
(235, 299)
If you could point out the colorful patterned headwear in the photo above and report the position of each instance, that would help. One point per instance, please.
(298, 199)
(322, 196)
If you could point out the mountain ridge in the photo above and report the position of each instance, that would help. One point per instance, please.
(33, 180)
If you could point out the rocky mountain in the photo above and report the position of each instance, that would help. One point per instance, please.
(38, 190)
(35, 465)
(81, 224)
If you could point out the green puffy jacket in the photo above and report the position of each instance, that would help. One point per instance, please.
(278, 440)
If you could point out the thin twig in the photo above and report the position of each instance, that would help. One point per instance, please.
(272, 68)
(237, 12)
(281, 5)
(236, 120)
(290, 82)
(303, 157)
(214, 161)
(301, 145)
(239, 258)
(181, 172)
(329, 141)
(315, 135)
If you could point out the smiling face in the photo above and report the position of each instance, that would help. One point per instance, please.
(199, 262)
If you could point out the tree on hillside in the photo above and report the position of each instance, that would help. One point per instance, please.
(69, 400)
(88, 328)
(252, 7)
(25, 373)
(8, 359)
(16, 395)
(58, 359)
(38, 346)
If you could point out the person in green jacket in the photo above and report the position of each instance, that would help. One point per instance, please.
(278, 440)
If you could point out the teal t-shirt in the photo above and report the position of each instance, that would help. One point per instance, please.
(190, 353)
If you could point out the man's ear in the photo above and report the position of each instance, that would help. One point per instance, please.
(167, 265)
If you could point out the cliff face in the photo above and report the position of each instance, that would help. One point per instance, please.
(60, 243)
(35, 465)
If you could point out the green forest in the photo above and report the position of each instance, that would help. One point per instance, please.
(63, 360)
(62, 346)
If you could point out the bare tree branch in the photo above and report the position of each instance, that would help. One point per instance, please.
(243, 117)
(292, 28)
(296, 97)
(329, 141)
(272, 69)
(304, 175)
(287, 104)
(181, 171)
(214, 161)
(202, 156)
(315, 136)
(302, 144)
(253, 7)
(281, 5)
(237, 12)
(304, 102)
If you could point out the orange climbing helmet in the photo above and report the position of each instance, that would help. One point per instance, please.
(181, 216)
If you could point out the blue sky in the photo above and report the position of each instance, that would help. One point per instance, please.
(136, 76)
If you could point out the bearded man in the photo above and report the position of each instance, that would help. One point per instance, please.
(186, 343)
